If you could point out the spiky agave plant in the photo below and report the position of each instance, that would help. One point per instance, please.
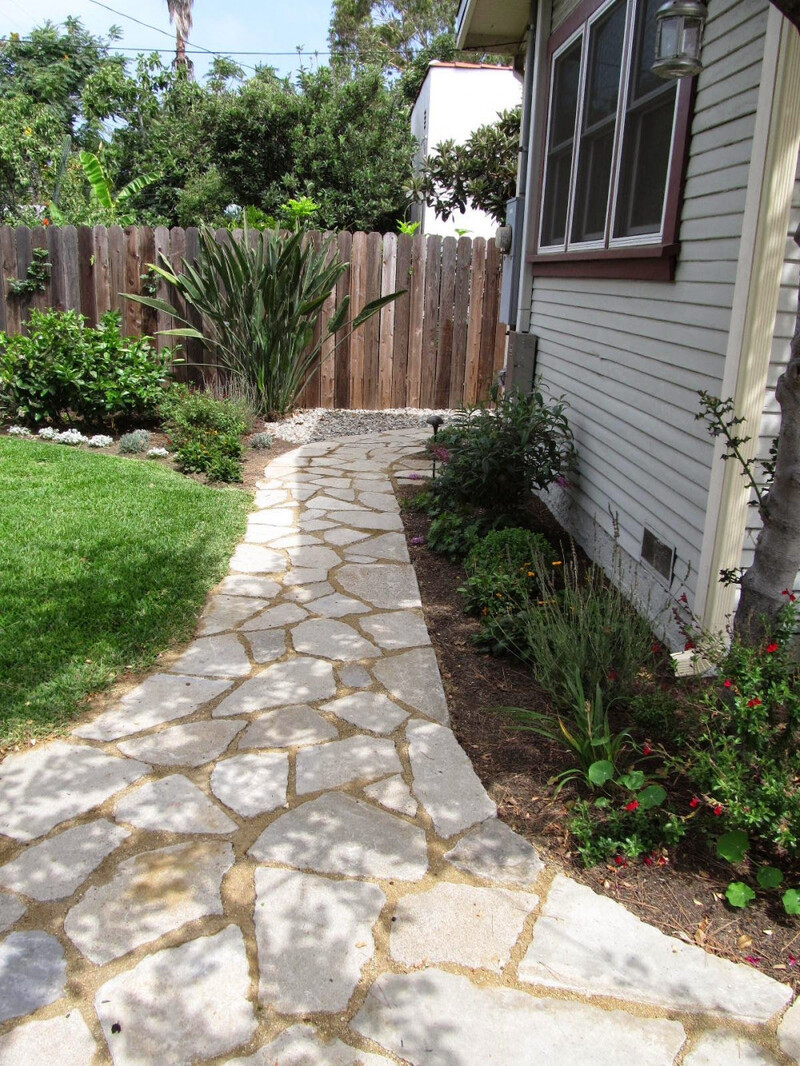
(259, 303)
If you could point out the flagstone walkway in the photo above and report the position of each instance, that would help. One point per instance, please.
(274, 851)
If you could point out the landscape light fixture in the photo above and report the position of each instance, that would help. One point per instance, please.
(679, 38)
(435, 421)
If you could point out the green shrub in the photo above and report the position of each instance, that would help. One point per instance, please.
(135, 442)
(500, 574)
(64, 369)
(206, 433)
(453, 533)
(579, 621)
(261, 441)
(746, 748)
(609, 830)
(496, 457)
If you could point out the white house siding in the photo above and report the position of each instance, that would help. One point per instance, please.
(630, 356)
(784, 328)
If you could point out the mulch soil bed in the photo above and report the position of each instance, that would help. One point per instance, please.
(684, 897)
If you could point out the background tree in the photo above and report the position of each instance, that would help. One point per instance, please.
(387, 33)
(481, 173)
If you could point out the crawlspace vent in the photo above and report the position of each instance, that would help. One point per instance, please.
(658, 554)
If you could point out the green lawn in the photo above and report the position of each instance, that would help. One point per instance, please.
(103, 563)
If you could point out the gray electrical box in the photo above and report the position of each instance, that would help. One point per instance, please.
(512, 261)
(521, 361)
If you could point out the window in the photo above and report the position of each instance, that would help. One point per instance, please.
(614, 142)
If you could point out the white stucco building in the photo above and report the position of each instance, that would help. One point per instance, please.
(454, 100)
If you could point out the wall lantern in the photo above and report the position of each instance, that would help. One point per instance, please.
(679, 38)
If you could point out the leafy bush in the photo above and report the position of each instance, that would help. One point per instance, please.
(135, 442)
(603, 830)
(746, 751)
(453, 533)
(259, 306)
(500, 574)
(64, 369)
(578, 622)
(206, 433)
(495, 457)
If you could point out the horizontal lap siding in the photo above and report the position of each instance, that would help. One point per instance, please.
(784, 328)
(630, 356)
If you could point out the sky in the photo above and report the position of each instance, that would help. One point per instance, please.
(244, 25)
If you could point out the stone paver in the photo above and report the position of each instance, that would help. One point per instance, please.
(494, 852)
(434, 1017)
(148, 896)
(183, 745)
(299, 680)
(56, 867)
(65, 1041)
(252, 784)
(336, 834)
(172, 805)
(393, 793)
(290, 727)
(332, 639)
(42, 788)
(314, 937)
(413, 678)
(368, 710)
(475, 927)
(590, 944)
(33, 973)
(220, 656)
(392, 912)
(337, 763)
(299, 1045)
(444, 781)
(180, 1004)
(160, 698)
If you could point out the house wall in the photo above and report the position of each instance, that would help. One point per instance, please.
(453, 103)
(784, 328)
(630, 356)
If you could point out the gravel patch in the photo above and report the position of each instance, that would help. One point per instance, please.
(320, 423)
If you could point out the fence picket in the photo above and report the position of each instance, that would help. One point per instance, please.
(438, 345)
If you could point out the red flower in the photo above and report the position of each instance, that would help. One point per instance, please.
(647, 860)
(727, 683)
(792, 960)
(655, 647)
(756, 702)
(646, 749)
(694, 802)
(662, 860)
(717, 810)
(682, 598)
(688, 645)
(770, 648)
(632, 806)
(612, 675)
(791, 595)
(619, 861)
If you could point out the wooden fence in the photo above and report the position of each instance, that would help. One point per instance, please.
(439, 345)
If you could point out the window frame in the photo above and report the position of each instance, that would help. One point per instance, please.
(648, 256)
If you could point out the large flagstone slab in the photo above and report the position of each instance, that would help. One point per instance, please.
(368, 710)
(267, 645)
(332, 639)
(395, 630)
(261, 588)
(300, 1045)
(413, 678)
(59, 865)
(160, 698)
(11, 910)
(283, 614)
(252, 784)
(358, 758)
(33, 973)
(474, 927)
(314, 938)
(148, 896)
(337, 834)
(393, 793)
(299, 680)
(172, 805)
(443, 779)
(63, 1041)
(46, 785)
(255, 559)
(183, 745)
(721, 1048)
(358, 519)
(181, 1005)
(290, 727)
(226, 612)
(432, 1017)
(789, 1032)
(381, 584)
(589, 944)
(218, 656)
(336, 606)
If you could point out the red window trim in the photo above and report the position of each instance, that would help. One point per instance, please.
(651, 262)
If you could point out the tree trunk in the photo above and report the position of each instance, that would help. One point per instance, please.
(777, 553)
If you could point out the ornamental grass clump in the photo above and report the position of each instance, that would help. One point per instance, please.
(259, 304)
